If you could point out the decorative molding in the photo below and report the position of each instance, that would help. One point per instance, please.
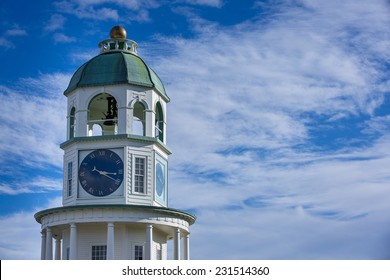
(113, 137)
(114, 213)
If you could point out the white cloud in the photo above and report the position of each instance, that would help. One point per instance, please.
(249, 85)
(7, 44)
(34, 135)
(20, 234)
(105, 10)
(262, 234)
(33, 185)
(244, 102)
(82, 56)
(33, 125)
(16, 32)
(56, 22)
(211, 3)
(87, 11)
(62, 38)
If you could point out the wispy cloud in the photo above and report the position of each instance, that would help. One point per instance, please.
(7, 44)
(87, 10)
(248, 104)
(30, 140)
(12, 31)
(245, 102)
(105, 10)
(39, 184)
(211, 3)
(56, 22)
(15, 244)
(62, 38)
(16, 32)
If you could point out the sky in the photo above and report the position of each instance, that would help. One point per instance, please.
(279, 119)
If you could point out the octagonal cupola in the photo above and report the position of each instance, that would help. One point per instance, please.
(126, 85)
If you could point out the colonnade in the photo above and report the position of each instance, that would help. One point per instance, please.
(47, 243)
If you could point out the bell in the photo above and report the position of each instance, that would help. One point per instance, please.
(111, 114)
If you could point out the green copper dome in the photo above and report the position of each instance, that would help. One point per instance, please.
(116, 67)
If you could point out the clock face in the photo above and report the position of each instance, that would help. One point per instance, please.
(160, 179)
(101, 172)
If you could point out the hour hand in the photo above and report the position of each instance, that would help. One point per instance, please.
(105, 173)
(94, 169)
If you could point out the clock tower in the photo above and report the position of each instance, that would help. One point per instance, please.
(115, 187)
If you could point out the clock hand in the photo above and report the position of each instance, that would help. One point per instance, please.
(104, 174)
(94, 169)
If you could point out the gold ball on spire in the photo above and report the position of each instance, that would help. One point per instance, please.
(118, 32)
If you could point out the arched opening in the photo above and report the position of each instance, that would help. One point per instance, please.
(139, 119)
(159, 123)
(72, 122)
(103, 113)
(97, 130)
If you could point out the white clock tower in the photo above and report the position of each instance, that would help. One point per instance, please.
(115, 190)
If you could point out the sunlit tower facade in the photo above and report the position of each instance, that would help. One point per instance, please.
(115, 186)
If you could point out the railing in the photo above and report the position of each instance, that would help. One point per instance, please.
(118, 44)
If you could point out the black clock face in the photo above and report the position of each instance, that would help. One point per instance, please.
(101, 172)
(160, 179)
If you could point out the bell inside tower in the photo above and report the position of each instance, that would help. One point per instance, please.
(102, 115)
(111, 114)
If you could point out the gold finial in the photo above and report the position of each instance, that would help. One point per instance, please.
(118, 32)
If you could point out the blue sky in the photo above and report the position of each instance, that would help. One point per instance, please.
(279, 118)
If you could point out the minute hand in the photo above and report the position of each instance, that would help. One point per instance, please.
(108, 176)
(106, 173)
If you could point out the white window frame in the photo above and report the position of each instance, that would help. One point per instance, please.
(98, 247)
(144, 175)
(134, 250)
(69, 181)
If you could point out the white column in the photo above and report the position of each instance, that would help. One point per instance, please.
(149, 123)
(129, 120)
(81, 128)
(110, 241)
(176, 244)
(149, 242)
(57, 254)
(165, 130)
(73, 242)
(186, 245)
(43, 245)
(122, 120)
(49, 244)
